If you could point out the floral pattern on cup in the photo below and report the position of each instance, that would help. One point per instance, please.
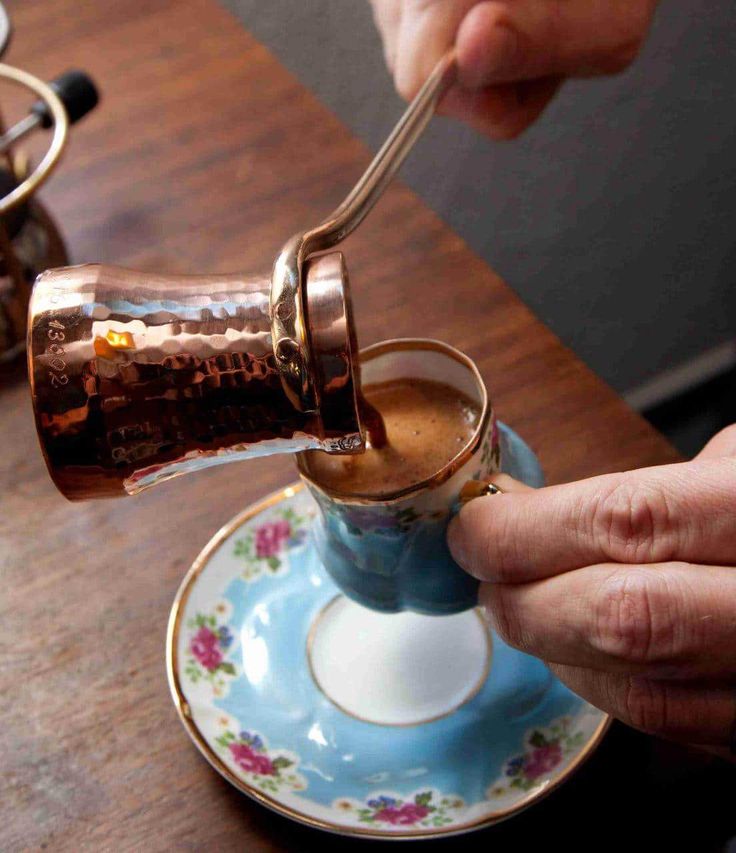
(425, 808)
(490, 455)
(263, 546)
(381, 521)
(545, 750)
(209, 642)
(271, 771)
(360, 520)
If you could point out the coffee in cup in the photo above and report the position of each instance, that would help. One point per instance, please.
(426, 422)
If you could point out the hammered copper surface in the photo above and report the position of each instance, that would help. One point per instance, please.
(138, 378)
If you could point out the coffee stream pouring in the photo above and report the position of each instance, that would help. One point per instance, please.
(138, 378)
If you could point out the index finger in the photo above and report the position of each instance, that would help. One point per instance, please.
(684, 512)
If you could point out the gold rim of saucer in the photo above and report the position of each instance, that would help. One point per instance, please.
(185, 714)
(451, 467)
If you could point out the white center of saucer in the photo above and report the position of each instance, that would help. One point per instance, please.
(397, 669)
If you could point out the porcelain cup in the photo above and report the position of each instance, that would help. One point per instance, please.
(389, 553)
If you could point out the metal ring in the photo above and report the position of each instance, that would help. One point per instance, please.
(477, 489)
(61, 128)
(492, 489)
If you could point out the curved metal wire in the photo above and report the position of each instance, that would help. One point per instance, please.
(61, 127)
(5, 29)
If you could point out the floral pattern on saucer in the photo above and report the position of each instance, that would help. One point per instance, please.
(425, 808)
(210, 640)
(545, 750)
(269, 770)
(249, 703)
(263, 548)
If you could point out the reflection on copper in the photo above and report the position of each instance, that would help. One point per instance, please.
(137, 378)
(105, 347)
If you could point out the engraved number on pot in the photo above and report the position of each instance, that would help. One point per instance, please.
(55, 351)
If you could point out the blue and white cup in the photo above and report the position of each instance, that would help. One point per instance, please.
(389, 553)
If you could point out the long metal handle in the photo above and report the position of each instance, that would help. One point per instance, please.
(291, 343)
(353, 210)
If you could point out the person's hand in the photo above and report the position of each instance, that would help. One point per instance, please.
(625, 584)
(512, 54)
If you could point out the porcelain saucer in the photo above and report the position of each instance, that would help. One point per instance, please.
(254, 656)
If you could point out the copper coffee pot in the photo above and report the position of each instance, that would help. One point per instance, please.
(138, 378)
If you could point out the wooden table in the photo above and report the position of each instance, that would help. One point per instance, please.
(183, 168)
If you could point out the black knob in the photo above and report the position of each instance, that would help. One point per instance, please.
(76, 91)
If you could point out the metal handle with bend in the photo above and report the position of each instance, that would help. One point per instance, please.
(291, 343)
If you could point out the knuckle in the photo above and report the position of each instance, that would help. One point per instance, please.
(645, 706)
(633, 522)
(632, 618)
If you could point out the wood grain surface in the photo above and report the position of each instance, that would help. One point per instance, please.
(203, 156)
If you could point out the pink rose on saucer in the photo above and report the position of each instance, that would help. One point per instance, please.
(542, 760)
(408, 814)
(205, 648)
(270, 538)
(251, 761)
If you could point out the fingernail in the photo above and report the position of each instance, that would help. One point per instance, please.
(456, 543)
(493, 63)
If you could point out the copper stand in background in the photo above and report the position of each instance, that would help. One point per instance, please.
(37, 246)
(30, 241)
